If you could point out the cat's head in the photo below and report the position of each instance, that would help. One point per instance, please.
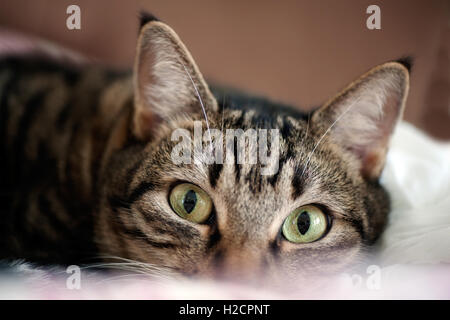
(316, 211)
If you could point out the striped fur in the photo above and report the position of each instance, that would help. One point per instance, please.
(86, 167)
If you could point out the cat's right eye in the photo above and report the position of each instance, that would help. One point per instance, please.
(191, 203)
(305, 224)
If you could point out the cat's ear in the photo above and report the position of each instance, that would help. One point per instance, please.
(363, 116)
(167, 82)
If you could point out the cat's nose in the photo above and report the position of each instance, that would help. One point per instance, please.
(237, 264)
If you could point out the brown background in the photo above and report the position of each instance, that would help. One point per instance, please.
(298, 52)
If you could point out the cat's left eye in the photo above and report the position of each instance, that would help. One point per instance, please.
(191, 203)
(305, 224)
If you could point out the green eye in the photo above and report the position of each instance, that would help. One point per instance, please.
(191, 203)
(305, 224)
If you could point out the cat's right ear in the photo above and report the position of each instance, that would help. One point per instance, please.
(361, 119)
(167, 82)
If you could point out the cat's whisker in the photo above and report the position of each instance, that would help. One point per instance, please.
(124, 262)
(136, 266)
(202, 105)
(141, 269)
(124, 277)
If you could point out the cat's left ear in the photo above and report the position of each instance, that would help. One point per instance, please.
(167, 82)
(363, 116)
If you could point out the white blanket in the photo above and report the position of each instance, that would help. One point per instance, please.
(417, 176)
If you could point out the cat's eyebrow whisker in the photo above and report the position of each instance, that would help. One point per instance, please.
(201, 103)
(328, 130)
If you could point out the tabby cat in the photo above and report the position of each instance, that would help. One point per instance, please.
(87, 173)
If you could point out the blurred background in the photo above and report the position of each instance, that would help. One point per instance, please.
(297, 52)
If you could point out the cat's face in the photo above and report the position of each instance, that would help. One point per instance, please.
(314, 213)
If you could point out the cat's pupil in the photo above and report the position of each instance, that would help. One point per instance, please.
(303, 222)
(190, 200)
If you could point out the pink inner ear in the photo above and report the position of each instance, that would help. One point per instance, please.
(375, 155)
(18, 44)
(366, 117)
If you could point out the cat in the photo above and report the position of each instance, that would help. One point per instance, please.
(87, 173)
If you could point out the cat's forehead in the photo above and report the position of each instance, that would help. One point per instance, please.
(259, 113)
(298, 156)
(248, 186)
